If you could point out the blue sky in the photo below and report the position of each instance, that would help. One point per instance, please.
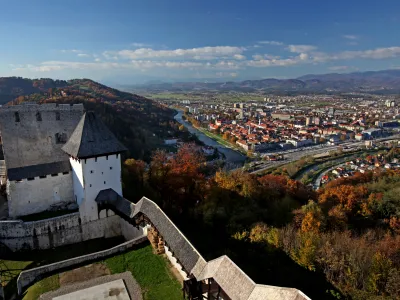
(137, 41)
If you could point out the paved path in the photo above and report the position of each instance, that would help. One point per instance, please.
(117, 286)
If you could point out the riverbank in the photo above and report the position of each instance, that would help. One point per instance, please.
(231, 155)
(220, 140)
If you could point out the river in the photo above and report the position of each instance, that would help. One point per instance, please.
(231, 156)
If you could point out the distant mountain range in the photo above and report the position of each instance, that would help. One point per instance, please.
(383, 82)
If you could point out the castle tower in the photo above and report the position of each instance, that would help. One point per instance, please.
(95, 157)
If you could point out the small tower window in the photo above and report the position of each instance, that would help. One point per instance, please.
(38, 116)
(91, 171)
(110, 168)
(104, 182)
(16, 116)
(61, 138)
(106, 157)
(57, 116)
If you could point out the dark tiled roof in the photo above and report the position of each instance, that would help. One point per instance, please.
(233, 281)
(92, 138)
(38, 170)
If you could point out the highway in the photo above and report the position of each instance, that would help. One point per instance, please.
(297, 154)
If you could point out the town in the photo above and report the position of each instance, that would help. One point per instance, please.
(283, 123)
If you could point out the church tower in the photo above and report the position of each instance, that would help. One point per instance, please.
(95, 157)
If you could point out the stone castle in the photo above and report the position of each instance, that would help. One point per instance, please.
(60, 157)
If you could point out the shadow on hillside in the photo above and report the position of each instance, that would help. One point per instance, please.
(264, 267)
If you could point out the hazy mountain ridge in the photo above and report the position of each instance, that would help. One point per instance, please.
(371, 81)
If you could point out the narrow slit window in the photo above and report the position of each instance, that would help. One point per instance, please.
(38, 116)
(16, 116)
(57, 116)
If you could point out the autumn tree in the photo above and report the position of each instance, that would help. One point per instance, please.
(226, 135)
(178, 178)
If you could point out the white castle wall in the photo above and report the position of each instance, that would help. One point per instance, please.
(99, 173)
(77, 179)
(32, 196)
(55, 232)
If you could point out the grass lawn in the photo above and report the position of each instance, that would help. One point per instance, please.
(46, 285)
(151, 271)
(10, 271)
(13, 265)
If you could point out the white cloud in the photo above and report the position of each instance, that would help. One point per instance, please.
(210, 60)
(300, 48)
(350, 37)
(258, 57)
(379, 53)
(140, 45)
(280, 62)
(134, 64)
(71, 51)
(239, 57)
(273, 43)
(265, 56)
(203, 53)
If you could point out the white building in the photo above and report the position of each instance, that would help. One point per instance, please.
(57, 157)
(94, 154)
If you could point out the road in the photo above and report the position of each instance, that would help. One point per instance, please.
(297, 154)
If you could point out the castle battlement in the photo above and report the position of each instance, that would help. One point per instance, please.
(33, 107)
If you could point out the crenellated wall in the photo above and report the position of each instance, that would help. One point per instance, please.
(34, 195)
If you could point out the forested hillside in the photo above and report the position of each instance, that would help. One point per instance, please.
(139, 123)
(342, 242)
(12, 87)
